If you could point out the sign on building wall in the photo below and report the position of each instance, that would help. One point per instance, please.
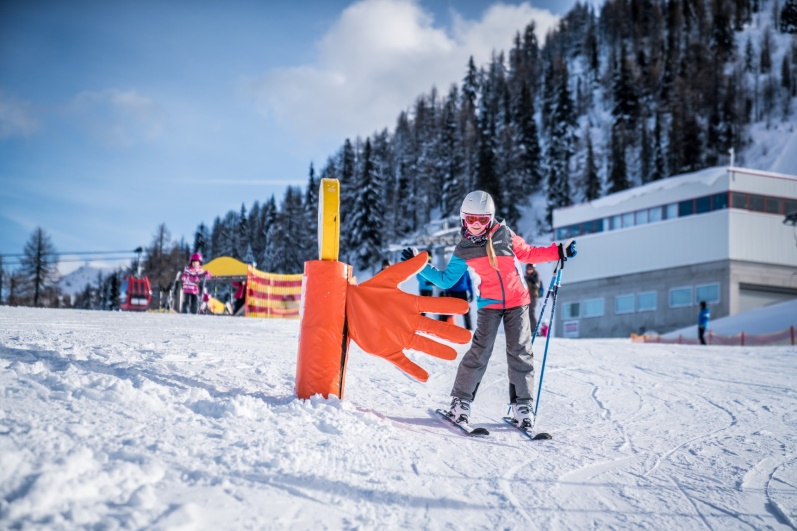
(570, 329)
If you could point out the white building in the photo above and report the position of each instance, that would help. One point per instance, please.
(647, 256)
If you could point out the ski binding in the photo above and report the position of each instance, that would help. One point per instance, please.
(472, 432)
(527, 432)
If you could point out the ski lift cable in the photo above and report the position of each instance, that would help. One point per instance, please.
(62, 253)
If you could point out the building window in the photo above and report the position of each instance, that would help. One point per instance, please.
(739, 200)
(789, 205)
(703, 204)
(720, 201)
(571, 310)
(654, 214)
(593, 307)
(755, 203)
(646, 302)
(686, 208)
(707, 292)
(641, 217)
(680, 297)
(671, 211)
(628, 219)
(624, 304)
(773, 205)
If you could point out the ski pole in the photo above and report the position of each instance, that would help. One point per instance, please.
(545, 303)
(558, 279)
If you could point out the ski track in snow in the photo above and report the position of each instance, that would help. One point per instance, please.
(155, 421)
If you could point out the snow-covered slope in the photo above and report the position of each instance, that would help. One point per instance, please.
(158, 421)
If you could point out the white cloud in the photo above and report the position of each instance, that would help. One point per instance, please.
(377, 58)
(17, 117)
(118, 118)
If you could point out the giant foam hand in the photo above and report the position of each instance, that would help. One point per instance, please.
(383, 320)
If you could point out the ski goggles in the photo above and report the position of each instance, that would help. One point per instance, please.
(477, 218)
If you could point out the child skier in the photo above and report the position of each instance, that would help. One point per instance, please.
(491, 250)
(193, 274)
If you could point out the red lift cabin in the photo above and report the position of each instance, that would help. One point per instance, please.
(135, 294)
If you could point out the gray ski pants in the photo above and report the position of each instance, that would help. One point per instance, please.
(519, 356)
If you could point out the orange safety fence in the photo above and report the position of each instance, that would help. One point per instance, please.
(273, 295)
(782, 337)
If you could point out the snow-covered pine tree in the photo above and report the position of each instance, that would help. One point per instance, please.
(243, 244)
(202, 240)
(592, 180)
(38, 265)
(561, 142)
(454, 186)
(528, 144)
(487, 178)
(405, 189)
(268, 216)
(283, 252)
(367, 213)
(309, 232)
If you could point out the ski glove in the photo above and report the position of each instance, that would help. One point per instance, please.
(567, 250)
(408, 253)
(383, 320)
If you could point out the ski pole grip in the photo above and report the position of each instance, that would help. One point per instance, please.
(323, 341)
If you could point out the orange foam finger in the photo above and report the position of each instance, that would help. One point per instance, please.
(446, 305)
(400, 360)
(433, 348)
(444, 330)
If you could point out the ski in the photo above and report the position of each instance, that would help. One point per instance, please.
(472, 432)
(528, 433)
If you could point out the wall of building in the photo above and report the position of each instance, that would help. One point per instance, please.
(742, 286)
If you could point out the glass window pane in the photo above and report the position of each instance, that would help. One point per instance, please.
(739, 200)
(756, 203)
(709, 293)
(686, 208)
(789, 205)
(628, 219)
(561, 233)
(703, 204)
(616, 223)
(720, 201)
(646, 301)
(593, 308)
(570, 310)
(654, 214)
(586, 227)
(598, 226)
(680, 297)
(624, 304)
(773, 205)
(671, 211)
(641, 217)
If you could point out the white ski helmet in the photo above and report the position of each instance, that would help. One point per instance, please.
(477, 202)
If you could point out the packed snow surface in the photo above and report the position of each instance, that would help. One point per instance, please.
(157, 421)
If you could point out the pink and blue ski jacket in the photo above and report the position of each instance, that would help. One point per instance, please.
(500, 288)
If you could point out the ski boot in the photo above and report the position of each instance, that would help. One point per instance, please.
(523, 416)
(460, 410)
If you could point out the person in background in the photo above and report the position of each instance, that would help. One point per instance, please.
(535, 290)
(240, 295)
(462, 289)
(192, 277)
(425, 288)
(702, 322)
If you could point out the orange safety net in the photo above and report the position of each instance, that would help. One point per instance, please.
(273, 295)
(782, 337)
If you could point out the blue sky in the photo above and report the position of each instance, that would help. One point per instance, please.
(117, 116)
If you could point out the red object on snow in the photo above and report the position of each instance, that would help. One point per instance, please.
(135, 294)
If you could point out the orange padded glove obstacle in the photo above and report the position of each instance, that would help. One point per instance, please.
(383, 320)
